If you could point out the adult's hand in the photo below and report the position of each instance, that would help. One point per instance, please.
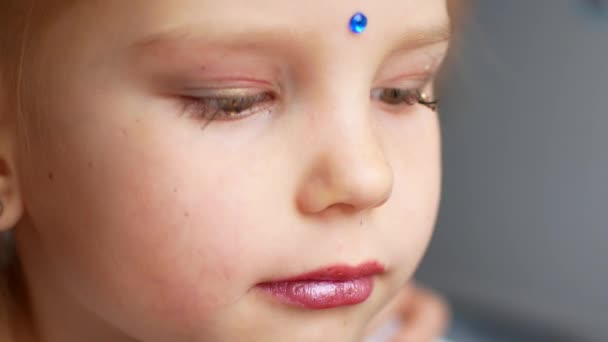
(423, 315)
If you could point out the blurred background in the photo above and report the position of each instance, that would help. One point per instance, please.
(521, 246)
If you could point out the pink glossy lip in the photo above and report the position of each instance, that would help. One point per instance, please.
(325, 288)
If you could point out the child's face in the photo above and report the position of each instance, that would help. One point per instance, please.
(162, 224)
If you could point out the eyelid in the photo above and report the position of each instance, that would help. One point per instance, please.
(215, 105)
(413, 91)
(418, 63)
(220, 93)
(410, 80)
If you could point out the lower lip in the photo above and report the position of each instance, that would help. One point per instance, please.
(321, 294)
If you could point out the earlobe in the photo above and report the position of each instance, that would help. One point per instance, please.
(11, 206)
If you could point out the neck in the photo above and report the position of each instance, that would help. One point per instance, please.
(56, 315)
(15, 317)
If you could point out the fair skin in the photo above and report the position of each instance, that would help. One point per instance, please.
(137, 221)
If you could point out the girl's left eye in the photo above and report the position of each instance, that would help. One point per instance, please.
(397, 96)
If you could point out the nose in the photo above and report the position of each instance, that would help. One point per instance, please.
(348, 168)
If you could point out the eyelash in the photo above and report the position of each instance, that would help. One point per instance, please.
(228, 107)
(405, 96)
(239, 106)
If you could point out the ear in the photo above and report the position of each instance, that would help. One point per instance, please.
(12, 207)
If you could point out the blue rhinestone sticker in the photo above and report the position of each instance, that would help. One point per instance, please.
(358, 23)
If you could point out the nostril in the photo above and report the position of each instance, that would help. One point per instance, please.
(356, 189)
(369, 188)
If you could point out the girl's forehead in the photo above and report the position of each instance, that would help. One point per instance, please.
(161, 25)
(316, 17)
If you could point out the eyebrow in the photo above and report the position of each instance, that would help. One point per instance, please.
(279, 37)
(422, 37)
(237, 39)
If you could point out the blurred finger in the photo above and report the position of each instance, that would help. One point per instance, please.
(425, 315)
(393, 309)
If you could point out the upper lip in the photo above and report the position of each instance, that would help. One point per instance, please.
(339, 272)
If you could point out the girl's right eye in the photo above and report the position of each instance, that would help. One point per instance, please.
(229, 105)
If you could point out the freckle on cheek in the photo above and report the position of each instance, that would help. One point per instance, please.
(50, 176)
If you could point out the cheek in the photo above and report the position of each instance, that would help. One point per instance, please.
(414, 149)
(143, 225)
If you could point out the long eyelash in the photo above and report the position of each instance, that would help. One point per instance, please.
(202, 108)
(408, 96)
(193, 105)
(431, 104)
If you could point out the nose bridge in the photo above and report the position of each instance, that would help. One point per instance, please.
(349, 166)
(358, 169)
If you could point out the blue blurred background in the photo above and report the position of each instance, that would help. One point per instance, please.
(521, 247)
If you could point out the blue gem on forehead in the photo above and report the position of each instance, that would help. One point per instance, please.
(358, 23)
